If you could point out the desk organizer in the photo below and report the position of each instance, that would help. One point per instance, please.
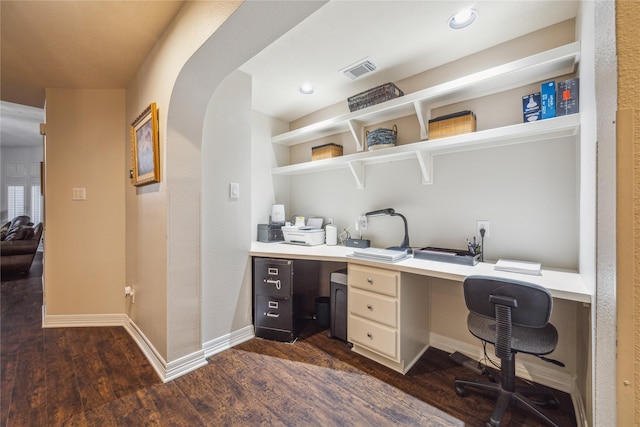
(453, 256)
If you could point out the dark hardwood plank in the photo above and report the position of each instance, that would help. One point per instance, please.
(28, 400)
(139, 363)
(123, 379)
(93, 380)
(99, 377)
(63, 396)
(173, 407)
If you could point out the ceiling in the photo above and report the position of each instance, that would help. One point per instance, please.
(101, 44)
(69, 44)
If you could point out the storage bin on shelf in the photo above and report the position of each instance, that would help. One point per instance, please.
(374, 96)
(452, 124)
(382, 138)
(326, 151)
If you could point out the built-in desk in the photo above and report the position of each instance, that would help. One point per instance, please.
(430, 311)
(561, 284)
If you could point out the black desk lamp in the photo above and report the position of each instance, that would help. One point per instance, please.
(404, 246)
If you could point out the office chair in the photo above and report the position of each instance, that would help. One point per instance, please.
(514, 317)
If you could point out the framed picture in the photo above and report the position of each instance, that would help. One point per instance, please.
(145, 147)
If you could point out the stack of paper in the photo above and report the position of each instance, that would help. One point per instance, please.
(524, 267)
(380, 254)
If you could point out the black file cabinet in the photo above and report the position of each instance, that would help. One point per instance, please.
(283, 292)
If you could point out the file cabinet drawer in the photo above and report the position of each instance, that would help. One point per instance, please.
(376, 337)
(273, 312)
(376, 307)
(273, 277)
(374, 279)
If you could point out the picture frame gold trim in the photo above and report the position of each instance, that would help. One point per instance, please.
(145, 147)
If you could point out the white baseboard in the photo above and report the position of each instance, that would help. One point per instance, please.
(81, 320)
(227, 341)
(166, 371)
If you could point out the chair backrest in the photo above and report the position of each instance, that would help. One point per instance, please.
(533, 303)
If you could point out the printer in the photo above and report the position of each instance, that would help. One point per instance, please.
(311, 234)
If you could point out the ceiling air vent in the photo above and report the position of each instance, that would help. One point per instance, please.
(358, 69)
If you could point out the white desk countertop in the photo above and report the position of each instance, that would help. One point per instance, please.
(562, 284)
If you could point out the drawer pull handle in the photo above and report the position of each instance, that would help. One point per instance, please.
(273, 304)
(272, 314)
(273, 282)
(369, 307)
(370, 335)
(369, 280)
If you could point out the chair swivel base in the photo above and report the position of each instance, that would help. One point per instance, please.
(507, 398)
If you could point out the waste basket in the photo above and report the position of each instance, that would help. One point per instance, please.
(323, 311)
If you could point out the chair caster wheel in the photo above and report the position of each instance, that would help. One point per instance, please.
(551, 403)
(460, 391)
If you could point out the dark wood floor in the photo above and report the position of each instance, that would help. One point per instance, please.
(99, 377)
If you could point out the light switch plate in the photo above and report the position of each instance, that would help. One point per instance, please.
(79, 194)
(234, 190)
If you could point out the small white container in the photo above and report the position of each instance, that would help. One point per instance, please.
(331, 235)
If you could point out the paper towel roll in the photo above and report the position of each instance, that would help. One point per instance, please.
(332, 235)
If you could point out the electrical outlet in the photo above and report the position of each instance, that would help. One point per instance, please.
(480, 224)
(362, 222)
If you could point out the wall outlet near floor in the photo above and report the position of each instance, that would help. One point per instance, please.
(480, 224)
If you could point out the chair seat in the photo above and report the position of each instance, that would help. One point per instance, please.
(539, 341)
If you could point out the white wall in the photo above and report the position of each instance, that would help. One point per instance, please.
(226, 222)
(265, 187)
(222, 54)
(602, 20)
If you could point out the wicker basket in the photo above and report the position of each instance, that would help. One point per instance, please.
(326, 151)
(452, 124)
(382, 138)
(374, 96)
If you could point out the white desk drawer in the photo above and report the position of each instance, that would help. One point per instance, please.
(376, 337)
(376, 307)
(374, 279)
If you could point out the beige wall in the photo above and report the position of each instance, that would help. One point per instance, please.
(84, 256)
(146, 207)
(628, 227)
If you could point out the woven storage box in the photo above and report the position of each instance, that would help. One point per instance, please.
(326, 151)
(452, 124)
(374, 96)
(382, 138)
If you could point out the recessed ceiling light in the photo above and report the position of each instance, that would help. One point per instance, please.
(306, 89)
(463, 19)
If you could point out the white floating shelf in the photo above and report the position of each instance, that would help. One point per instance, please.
(423, 151)
(535, 68)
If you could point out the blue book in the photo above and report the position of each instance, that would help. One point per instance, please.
(548, 99)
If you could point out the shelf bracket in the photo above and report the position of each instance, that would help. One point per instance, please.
(424, 114)
(357, 169)
(357, 131)
(425, 159)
